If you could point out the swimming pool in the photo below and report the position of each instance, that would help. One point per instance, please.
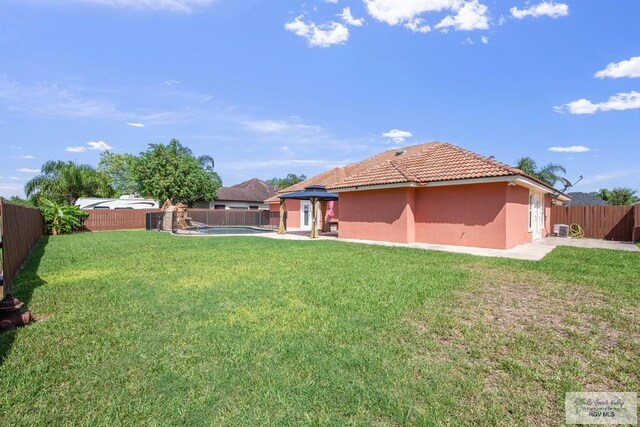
(217, 230)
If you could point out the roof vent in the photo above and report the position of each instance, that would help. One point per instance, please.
(400, 152)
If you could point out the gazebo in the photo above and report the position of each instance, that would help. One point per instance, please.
(313, 193)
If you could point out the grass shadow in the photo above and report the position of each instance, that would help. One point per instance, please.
(23, 287)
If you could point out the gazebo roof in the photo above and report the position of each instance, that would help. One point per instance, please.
(317, 192)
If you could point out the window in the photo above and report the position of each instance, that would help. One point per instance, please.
(254, 207)
(219, 207)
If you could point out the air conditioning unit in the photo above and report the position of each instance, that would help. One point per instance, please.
(561, 230)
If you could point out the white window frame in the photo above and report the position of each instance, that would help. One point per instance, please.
(530, 212)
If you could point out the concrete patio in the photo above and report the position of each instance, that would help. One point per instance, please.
(534, 251)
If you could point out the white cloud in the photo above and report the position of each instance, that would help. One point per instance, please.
(267, 164)
(171, 82)
(15, 178)
(417, 25)
(546, 8)
(471, 16)
(184, 6)
(484, 40)
(609, 176)
(27, 170)
(398, 136)
(331, 1)
(323, 35)
(571, 149)
(9, 189)
(279, 126)
(91, 145)
(53, 101)
(394, 12)
(79, 149)
(468, 41)
(28, 157)
(615, 70)
(467, 14)
(136, 125)
(619, 102)
(99, 145)
(348, 18)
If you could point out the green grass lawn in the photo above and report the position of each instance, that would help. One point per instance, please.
(144, 328)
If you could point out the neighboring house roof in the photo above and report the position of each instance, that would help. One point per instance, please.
(417, 164)
(584, 199)
(253, 190)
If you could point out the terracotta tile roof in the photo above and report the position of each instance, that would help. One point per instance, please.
(420, 164)
(253, 190)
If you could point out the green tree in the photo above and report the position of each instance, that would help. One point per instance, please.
(15, 200)
(290, 180)
(60, 218)
(618, 196)
(67, 181)
(121, 170)
(206, 162)
(548, 173)
(172, 172)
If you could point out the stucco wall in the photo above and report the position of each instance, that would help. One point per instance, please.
(292, 209)
(517, 229)
(466, 215)
(377, 215)
(481, 215)
(548, 202)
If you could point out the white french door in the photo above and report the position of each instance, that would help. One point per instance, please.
(305, 215)
(536, 215)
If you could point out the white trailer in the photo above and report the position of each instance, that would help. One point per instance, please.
(124, 202)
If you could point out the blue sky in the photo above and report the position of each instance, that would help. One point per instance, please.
(270, 88)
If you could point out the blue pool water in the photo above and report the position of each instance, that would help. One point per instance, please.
(229, 230)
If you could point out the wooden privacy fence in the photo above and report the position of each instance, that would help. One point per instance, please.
(601, 222)
(21, 229)
(235, 217)
(117, 219)
(636, 228)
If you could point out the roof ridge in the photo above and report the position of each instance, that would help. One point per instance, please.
(505, 166)
(485, 159)
(397, 166)
(388, 161)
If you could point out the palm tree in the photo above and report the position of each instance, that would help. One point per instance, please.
(618, 196)
(67, 181)
(548, 173)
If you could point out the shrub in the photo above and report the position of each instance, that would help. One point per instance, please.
(61, 218)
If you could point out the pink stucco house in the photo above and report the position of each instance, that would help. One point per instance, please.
(432, 193)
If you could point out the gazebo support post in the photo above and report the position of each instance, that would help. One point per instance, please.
(314, 218)
(281, 229)
(323, 211)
